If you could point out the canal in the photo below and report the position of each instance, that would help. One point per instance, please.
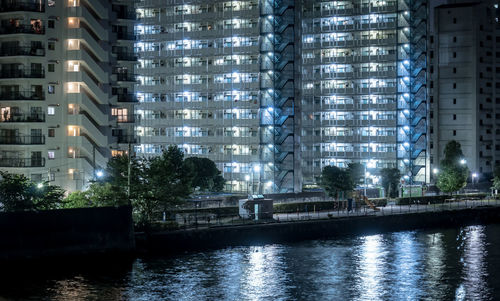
(445, 264)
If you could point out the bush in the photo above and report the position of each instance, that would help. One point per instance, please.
(436, 199)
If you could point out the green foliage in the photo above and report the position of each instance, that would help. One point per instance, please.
(390, 181)
(453, 175)
(496, 179)
(18, 193)
(356, 171)
(335, 180)
(97, 195)
(206, 176)
(170, 177)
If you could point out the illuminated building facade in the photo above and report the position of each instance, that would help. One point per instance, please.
(273, 91)
(56, 78)
(363, 86)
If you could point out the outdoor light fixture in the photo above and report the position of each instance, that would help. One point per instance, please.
(463, 161)
(256, 168)
(435, 171)
(39, 185)
(99, 173)
(247, 178)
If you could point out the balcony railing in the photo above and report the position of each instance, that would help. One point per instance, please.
(31, 29)
(127, 139)
(127, 98)
(22, 162)
(125, 77)
(23, 117)
(22, 140)
(22, 50)
(125, 118)
(126, 36)
(22, 95)
(126, 14)
(22, 73)
(22, 6)
(126, 56)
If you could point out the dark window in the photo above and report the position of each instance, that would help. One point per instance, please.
(454, 70)
(481, 59)
(454, 85)
(497, 39)
(481, 27)
(454, 116)
(432, 114)
(432, 69)
(488, 116)
(481, 44)
(432, 99)
(432, 39)
(454, 39)
(489, 53)
(454, 132)
(488, 37)
(488, 85)
(454, 20)
(432, 84)
(454, 54)
(431, 54)
(52, 45)
(480, 106)
(454, 101)
(488, 100)
(51, 67)
(480, 74)
(52, 132)
(51, 23)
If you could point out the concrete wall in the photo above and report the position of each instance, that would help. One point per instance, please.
(84, 231)
(219, 237)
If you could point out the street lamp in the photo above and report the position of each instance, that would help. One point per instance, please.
(435, 171)
(99, 173)
(39, 185)
(474, 176)
(463, 161)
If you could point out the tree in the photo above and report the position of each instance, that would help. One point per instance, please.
(453, 174)
(356, 171)
(206, 176)
(18, 193)
(169, 177)
(335, 180)
(390, 181)
(97, 195)
(496, 178)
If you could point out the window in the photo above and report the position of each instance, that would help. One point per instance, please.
(51, 3)
(454, 116)
(51, 67)
(454, 54)
(52, 45)
(432, 99)
(454, 20)
(51, 23)
(52, 132)
(454, 101)
(432, 39)
(454, 39)
(51, 110)
(51, 155)
(454, 132)
(454, 70)
(52, 176)
(51, 89)
(432, 54)
(454, 85)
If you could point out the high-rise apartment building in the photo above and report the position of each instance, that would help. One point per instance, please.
(273, 91)
(464, 68)
(363, 86)
(57, 72)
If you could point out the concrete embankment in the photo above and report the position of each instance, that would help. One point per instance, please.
(66, 233)
(258, 234)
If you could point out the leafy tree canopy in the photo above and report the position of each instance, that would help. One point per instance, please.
(356, 171)
(453, 174)
(390, 181)
(206, 176)
(335, 180)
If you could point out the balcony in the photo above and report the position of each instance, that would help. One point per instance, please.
(22, 50)
(131, 118)
(22, 162)
(22, 95)
(22, 140)
(127, 98)
(22, 6)
(29, 29)
(126, 36)
(127, 14)
(22, 73)
(127, 139)
(126, 56)
(125, 77)
(23, 117)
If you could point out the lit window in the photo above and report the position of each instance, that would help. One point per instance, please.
(73, 22)
(73, 88)
(73, 3)
(73, 44)
(73, 66)
(52, 89)
(51, 110)
(51, 155)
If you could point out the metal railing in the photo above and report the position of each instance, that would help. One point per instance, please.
(204, 218)
(22, 6)
(22, 73)
(126, 56)
(23, 117)
(125, 77)
(22, 162)
(22, 50)
(30, 29)
(22, 139)
(126, 36)
(22, 95)
(127, 98)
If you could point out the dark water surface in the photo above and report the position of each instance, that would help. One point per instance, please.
(451, 264)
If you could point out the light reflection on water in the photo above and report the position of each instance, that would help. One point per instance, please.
(452, 264)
